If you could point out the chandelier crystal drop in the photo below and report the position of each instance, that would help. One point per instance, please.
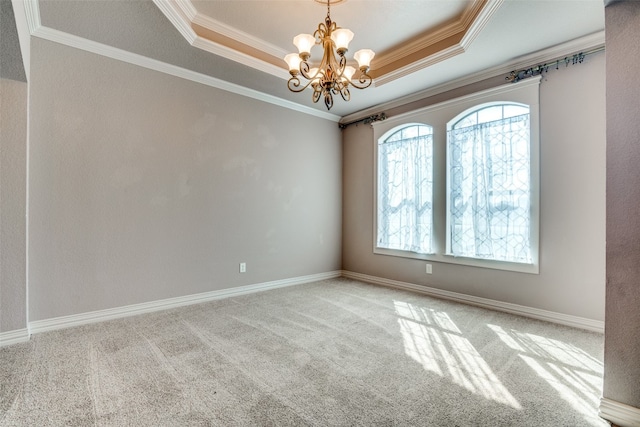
(332, 75)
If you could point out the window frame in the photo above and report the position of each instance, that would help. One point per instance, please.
(382, 140)
(525, 92)
(451, 124)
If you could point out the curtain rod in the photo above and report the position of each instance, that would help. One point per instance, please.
(366, 120)
(514, 76)
(578, 58)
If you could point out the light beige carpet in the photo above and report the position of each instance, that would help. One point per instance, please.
(336, 352)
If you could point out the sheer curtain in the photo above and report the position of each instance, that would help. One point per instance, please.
(489, 190)
(405, 190)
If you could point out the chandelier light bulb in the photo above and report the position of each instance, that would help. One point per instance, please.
(342, 37)
(364, 57)
(304, 43)
(293, 61)
(348, 73)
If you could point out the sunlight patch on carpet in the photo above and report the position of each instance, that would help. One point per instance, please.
(573, 373)
(432, 339)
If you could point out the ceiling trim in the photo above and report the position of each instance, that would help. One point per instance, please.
(239, 57)
(24, 35)
(181, 14)
(454, 39)
(431, 47)
(238, 52)
(420, 64)
(178, 16)
(32, 12)
(480, 21)
(237, 35)
(37, 30)
(459, 25)
(591, 41)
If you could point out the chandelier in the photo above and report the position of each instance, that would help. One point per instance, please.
(332, 76)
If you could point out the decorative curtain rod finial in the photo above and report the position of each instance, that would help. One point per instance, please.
(578, 58)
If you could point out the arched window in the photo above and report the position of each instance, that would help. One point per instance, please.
(405, 189)
(489, 183)
(457, 182)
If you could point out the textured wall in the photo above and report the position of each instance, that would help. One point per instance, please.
(13, 147)
(13, 143)
(622, 327)
(11, 66)
(145, 186)
(572, 216)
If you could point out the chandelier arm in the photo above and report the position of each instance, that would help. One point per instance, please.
(342, 64)
(344, 92)
(328, 99)
(363, 82)
(305, 68)
(317, 91)
(295, 85)
(320, 33)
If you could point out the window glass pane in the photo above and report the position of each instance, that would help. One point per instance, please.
(490, 114)
(489, 185)
(469, 120)
(511, 110)
(405, 189)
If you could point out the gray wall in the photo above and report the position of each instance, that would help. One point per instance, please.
(622, 326)
(144, 186)
(13, 143)
(572, 216)
(11, 66)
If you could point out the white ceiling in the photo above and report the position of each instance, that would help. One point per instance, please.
(514, 29)
(372, 21)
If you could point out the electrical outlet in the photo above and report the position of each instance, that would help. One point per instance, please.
(243, 267)
(429, 269)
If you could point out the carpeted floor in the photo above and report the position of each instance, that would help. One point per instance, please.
(336, 352)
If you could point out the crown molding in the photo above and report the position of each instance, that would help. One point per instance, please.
(173, 70)
(24, 34)
(467, 27)
(461, 32)
(419, 65)
(480, 21)
(239, 57)
(592, 41)
(462, 24)
(179, 17)
(32, 12)
(183, 15)
(188, 8)
(237, 35)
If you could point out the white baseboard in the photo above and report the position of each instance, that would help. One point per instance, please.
(147, 307)
(535, 313)
(135, 309)
(619, 413)
(14, 337)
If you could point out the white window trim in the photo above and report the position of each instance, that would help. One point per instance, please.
(438, 115)
(384, 137)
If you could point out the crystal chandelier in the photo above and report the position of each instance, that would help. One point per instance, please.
(332, 76)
